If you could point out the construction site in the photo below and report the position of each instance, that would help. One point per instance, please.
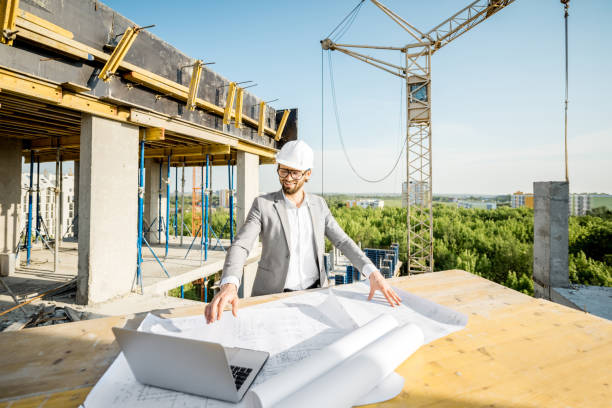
(101, 245)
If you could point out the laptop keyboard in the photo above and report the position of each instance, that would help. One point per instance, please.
(240, 374)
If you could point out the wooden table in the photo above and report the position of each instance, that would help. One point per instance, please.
(516, 351)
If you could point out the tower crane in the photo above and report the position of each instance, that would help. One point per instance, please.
(417, 75)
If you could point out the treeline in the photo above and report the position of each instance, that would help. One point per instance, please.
(495, 244)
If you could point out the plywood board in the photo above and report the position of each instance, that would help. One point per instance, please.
(516, 351)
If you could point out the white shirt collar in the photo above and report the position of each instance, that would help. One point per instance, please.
(290, 203)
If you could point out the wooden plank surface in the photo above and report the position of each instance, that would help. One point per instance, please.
(516, 351)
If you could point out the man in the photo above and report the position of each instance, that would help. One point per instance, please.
(292, 226)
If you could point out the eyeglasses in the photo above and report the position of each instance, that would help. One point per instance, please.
(295, 174)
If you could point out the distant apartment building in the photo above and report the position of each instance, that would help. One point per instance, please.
(520, 199)
(223, 198)
(483, 205)
(419, 193)
(581, 204)
(47, 204)
(366, 203)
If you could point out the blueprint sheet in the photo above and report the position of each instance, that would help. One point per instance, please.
(290, 329)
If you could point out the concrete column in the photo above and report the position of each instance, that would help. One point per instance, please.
(151, 199)
(108, 213)
(10, 202)
(550, 237)
(77, 172)
(248, 278)
(247, 184)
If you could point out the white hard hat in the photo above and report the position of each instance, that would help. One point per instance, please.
(296, 154)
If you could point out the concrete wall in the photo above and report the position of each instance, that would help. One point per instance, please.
(247, 184)
(95, 24)
(550, 240)
(108, 197)
(151, 199)
(10, 202)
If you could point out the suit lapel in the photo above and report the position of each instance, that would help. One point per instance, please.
(279, 205)
(314, 218)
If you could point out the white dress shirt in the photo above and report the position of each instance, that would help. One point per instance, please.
(303, 270)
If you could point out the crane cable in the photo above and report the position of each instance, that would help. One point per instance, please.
(350, 17)
(566, 4)
(348, 21)
(339, 129)
(339, 31)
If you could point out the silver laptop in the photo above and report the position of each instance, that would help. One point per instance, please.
(192, 366)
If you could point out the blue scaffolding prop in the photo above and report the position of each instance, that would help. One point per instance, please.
(176, 202)
(230, 176)
(218, 238)
(167, 207)
(204, 203)
(202, 217)
(39, 221)
(159, 214)
(205, 211)
(29, 231)
(37, 200)
(141, 237)
(140, 214)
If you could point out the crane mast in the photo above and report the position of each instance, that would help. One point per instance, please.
(416, 73)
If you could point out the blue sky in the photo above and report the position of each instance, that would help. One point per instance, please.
(497, 91)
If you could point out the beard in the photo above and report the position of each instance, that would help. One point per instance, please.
(293, 188)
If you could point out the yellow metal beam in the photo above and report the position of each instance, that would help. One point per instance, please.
(152, 134)
(187, 151)
(182, 127)
(194, 85)
(71, 86)
(238, 114)
(52, 156)
(266, 160)
(49, 39)
(8, 15)
(45, 24)
(128, 38)
(255, 149)
(54, 142)
(229, 104)
(261, 123)
(181, 92)
(41, 34)
(170, 88)
(281, 125)
(12, 82)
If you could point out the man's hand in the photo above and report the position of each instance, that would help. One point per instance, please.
(227, 294)
(378, 282)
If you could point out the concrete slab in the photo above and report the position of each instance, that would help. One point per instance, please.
(181, 270)
(32, 280)
(596, 300)
(38, 277)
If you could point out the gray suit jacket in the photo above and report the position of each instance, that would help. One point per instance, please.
(268, 220)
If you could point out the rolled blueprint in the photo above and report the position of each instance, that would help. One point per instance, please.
(358, 374)
(302, 373)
